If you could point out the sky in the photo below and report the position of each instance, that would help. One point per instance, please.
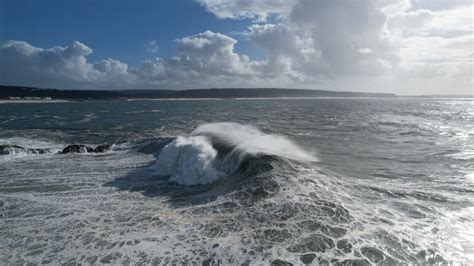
(407, 47)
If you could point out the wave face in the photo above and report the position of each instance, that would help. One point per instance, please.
(218, 149)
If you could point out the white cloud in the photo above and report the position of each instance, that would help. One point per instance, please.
(152, 47)
(258, 10)
(396, 45)
(350, 39)
(22, 62)
(438, 5)
(203, 59)
(440, 50)
(114, 73)
(329, 38)
(285, 48)
(410, 22)
(211, 53)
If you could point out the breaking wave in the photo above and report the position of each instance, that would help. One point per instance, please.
(218, 149)
(189, 161)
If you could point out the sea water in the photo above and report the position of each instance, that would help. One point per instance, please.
(232, 182)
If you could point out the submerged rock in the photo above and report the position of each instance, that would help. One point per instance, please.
(6, 149)
(11, 149)
(102, 148)
(79, 148)
(15, 149)
(39, 151)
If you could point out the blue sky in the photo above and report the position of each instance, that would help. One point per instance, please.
(400, 46)
(128, 25)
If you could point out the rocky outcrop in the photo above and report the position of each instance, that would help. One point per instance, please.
(76, 148)
(11, 149)
(6, 149)
(15, 149)
(39, 151)
(79, 148)
(102, 148)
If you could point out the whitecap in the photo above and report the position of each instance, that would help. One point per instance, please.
(195, 160)
(189, 161)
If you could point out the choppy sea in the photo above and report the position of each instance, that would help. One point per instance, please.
(237, 182)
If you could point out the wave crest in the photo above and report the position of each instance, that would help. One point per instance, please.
(188, 161)
(218, 149)
(251, 140)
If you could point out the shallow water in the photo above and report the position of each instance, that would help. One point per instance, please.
(251, 181)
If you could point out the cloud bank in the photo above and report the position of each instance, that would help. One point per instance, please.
(408, 47)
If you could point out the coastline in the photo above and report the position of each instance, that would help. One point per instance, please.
(8, 101)
(32, 101)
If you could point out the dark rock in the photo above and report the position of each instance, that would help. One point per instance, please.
(39, 151)
(77, 149)
(102, 148)
(11, 149)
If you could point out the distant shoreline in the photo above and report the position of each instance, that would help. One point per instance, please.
(2, 101)
(20, 94)
(32, 93)
(6, 101)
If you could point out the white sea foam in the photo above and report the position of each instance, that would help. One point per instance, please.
(470, 176)
(189, 161)
(193, 160)
(24, 146)
(30, 143)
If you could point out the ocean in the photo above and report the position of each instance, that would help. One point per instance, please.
(341, 181)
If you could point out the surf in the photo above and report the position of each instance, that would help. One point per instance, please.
(216, 150)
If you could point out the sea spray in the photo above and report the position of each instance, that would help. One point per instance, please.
(251, 140)
(189, 161)
(215, 150)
